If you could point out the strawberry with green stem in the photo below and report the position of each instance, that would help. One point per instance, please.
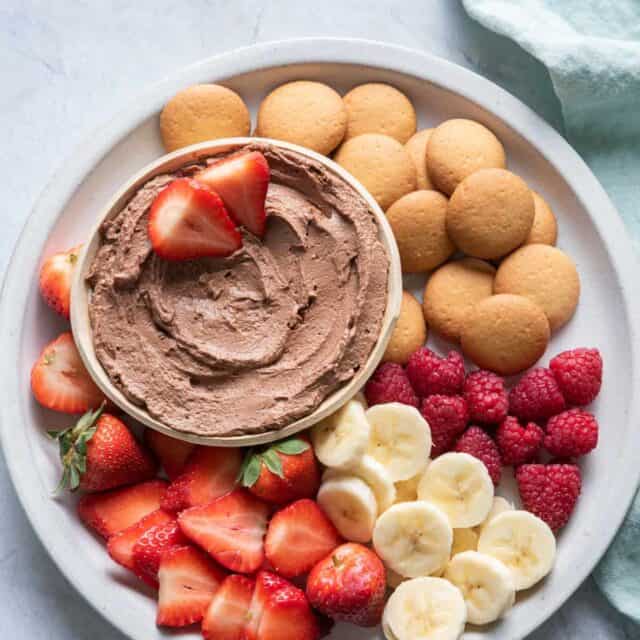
(99, 453)
(283, 472)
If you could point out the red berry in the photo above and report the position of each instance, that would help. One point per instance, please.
(571, 434)
(349, 585)
(447, 417)
(579, 375)
(479, 444)
(536, 397)
(430, 374)
(486, 397)
(518, 444)
(390, 383)
(549, 491)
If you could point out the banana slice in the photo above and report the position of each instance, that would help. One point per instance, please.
(400, 439)
(341, 439)
(350, 504)
(523, 543)
(425, 609)
(407, 490)
(460, 485)
(486, 585)
(464, 540)
(375, 475)
(413, 539)
(500, 505)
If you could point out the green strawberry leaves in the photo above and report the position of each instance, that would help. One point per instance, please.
(253, 460)
(72, 446)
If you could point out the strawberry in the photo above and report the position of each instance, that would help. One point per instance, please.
(170, 452)
(349, 585)
(279, 611)
(112, 511)
(230, 528)
(120, 545)
(55, 279)
(241, 180)
(210, 472)
(227, 615)
(188, 221)
(99, 453)
(188, 581)
(59, 380)
(284, 472)
(149, 548)
(298, 537)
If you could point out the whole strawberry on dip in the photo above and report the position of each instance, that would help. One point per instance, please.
(232, 296)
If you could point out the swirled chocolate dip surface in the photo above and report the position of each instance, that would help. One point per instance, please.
(248, 343)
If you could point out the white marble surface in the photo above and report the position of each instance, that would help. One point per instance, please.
(67, 65)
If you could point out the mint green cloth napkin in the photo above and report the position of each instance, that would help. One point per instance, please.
(591, 49)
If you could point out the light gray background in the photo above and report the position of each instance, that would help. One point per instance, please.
(68, 65)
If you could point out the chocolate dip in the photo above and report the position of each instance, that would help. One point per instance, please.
(248, 343)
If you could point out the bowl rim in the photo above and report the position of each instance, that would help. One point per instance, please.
(81, 292)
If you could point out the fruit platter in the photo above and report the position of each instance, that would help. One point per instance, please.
(248, 426)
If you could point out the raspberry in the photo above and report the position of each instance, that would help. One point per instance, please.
(430, 374)
(579, 375)
(479, 444)
(549, 491)
(486, 397)
(447, 416)
(536, 397)
(389, 383)
(518, 444)
(571, 434)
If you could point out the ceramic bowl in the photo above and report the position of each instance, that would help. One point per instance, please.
(81, 295)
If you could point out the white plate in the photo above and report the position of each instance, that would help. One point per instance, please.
(590, 230)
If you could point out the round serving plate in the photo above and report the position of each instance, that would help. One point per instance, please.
(81, 294)
(590, 231)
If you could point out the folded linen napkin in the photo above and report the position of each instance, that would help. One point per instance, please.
(591, 49)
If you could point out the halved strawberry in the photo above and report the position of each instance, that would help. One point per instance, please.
(230, 528)
(171, 452)
(227, 615)
(298, 537)
(55, 279)
(59, 380)
(189, 221)
(209, 473)
(280, 610)
(120, 545)
(115, 510)
(148, 550)
(188, 581)
(241, 180)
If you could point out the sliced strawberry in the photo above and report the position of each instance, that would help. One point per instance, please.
(171, 452)
(226, 617)
(298, 537)
(59, 380)
(55, 279)
(188, 580)
(188, 221)
(120, 545)
(115, 510)
(209, 473)
(279, 610)
(241, 180)
(230, 528)
(151, 546)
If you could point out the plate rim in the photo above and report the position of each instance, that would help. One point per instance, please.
(314, 50)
